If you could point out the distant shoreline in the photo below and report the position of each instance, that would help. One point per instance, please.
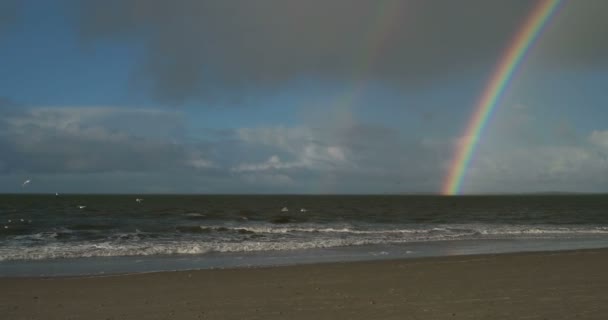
(549, 193)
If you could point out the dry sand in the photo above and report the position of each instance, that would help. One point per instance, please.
(558, 285)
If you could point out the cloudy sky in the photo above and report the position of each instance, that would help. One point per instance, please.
(286, 96)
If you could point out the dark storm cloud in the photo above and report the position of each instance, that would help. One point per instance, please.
(199, 47)
(576, 36)
(196, 47)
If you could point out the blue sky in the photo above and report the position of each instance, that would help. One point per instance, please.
(285, 97)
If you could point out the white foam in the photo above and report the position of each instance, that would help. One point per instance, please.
(194, 214)
(37, 236)
(109, 249)
(229, 238)
(296, 229)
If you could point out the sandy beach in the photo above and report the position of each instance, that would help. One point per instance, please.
(548, 285)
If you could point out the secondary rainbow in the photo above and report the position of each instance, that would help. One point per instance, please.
(383, 22)
(489, 100)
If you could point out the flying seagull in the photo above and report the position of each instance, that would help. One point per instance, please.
(139, 200)
(81, 207)
(26, 182)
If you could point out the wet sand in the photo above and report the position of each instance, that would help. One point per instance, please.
(550, 285)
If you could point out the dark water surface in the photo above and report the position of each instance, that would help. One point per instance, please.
(43, 227)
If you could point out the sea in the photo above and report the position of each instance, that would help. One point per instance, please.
(92, 235)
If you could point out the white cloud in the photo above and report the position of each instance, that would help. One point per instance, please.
(539, 168)
(273, 163)
(306, 149)
(599, 138)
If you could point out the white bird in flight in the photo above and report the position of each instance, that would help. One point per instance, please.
(284, 209)
(81, 207)
(139, 200)
(26, 182)
(303, 210)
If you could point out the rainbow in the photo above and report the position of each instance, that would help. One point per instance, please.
(489, 100)
(384, 20)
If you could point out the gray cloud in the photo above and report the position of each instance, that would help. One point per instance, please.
(356, 157)
(115, 150)
(582, 168)
(89, 140)
(114, 145)
(197, 47)
(525, 153)
(575, 38)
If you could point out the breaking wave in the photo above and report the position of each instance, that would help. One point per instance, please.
(247, 237)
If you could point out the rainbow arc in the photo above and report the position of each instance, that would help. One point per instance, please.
(494, 90)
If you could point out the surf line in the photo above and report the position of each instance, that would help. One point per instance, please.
(519, 46)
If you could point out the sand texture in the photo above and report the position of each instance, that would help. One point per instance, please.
(559, 285)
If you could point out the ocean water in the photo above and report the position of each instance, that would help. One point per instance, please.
(78, 234)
